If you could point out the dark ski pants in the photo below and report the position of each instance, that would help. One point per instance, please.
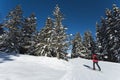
(97, 65)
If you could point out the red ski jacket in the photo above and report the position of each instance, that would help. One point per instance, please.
(94, 58)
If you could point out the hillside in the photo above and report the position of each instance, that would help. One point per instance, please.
(25, 67)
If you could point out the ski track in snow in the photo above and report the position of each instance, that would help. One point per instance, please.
(25, 67)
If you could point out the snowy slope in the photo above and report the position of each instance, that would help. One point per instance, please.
(25, 67)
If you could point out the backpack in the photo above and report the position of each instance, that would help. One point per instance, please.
(95, 57)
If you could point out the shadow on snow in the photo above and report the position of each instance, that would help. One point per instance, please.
(87, 66)
(7, 56)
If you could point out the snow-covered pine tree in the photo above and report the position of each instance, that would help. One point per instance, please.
(28, 32)
(13, 23)
(109, 31)
(43, 45)
(60, 42)
(2, 46)
(89, 43)
(77, 46)
(1, 29)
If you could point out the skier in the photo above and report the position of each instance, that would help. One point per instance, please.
(95, 61)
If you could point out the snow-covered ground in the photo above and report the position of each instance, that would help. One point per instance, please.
(25, 67)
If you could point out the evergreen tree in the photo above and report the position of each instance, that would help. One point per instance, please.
(28, 31)
(77, 46)
(89, 43)
(13, 23)
(43, 45)
(99, 48)
(109, 37)
(2, 46)
(1, 29)
(60, 43)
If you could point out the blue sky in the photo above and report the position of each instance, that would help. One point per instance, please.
(80, 15)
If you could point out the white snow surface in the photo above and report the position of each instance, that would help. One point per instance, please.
(26, 67)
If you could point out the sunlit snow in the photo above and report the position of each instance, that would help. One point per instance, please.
(25, 67)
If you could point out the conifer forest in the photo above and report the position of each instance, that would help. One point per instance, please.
(19, 34)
